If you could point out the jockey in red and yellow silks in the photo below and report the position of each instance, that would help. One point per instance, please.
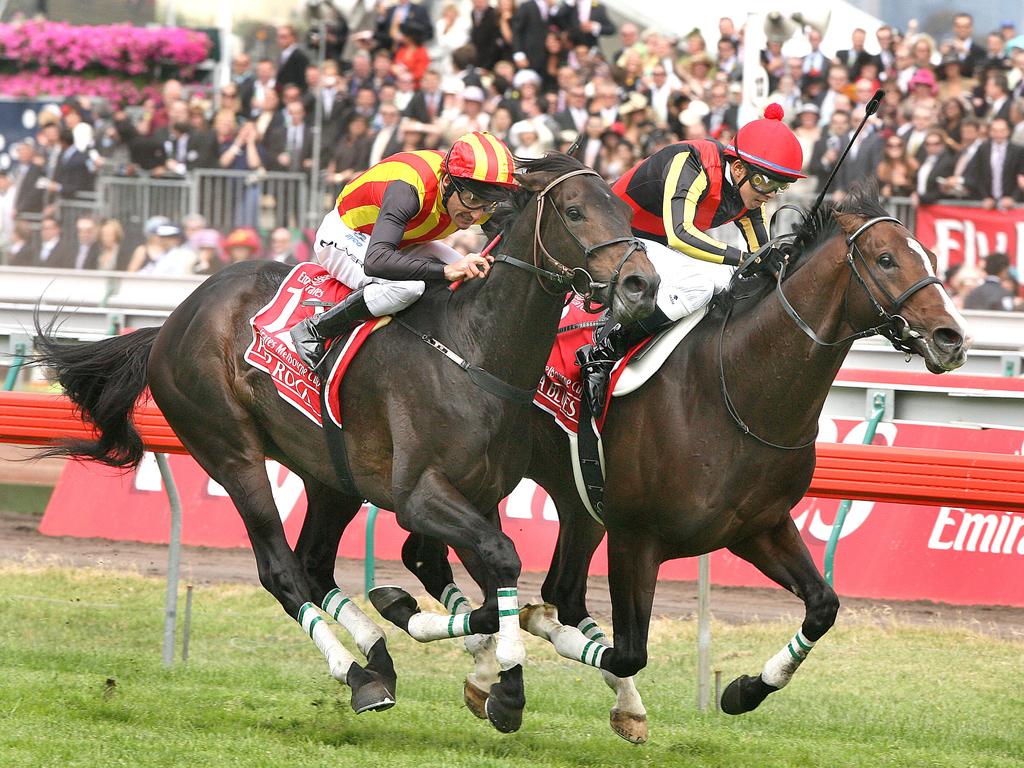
(381, 239)
(676, 195)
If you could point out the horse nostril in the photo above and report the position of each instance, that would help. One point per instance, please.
(948, 339)
(635, 286)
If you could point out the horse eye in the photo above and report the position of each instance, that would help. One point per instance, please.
(574, 213)
(886, 261)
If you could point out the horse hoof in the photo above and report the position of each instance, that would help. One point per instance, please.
(381, 667)
(394, 604)
(744, 694)
(633, 728)
(506, 701)
(372, 697)
(530, 612)
(476, 699)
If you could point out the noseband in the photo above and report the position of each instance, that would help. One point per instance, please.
(563, 277)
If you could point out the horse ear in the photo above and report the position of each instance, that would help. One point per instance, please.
(534, 182)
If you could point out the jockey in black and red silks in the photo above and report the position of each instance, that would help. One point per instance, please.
(678, 194)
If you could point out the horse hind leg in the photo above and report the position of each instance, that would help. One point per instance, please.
(427, 559)
(328, 514)
(781, 555)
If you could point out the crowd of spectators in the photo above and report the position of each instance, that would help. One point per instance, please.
(534, 74)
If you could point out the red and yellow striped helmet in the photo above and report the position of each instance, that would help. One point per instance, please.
(481, 156)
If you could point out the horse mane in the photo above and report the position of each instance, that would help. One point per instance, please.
(553, 162)
(813, 232)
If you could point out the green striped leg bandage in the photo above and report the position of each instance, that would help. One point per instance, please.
(510, 650)
(481, 646)
(426, 627)
(352, 618)
(339, 660)
(779, 669)
(454, 601)
(627, 697)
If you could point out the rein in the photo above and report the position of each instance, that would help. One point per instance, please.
(564, 280)
(893, 327)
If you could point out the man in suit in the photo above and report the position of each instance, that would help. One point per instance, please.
(816, 64)
(829, 147)
(180, 147)
(996, 174)
(253, 94)
(997, 97)
(388, 140)
(427, 103)
(292, 61)
(722, 114)
(26, 174)
(52, 251)
(938, 164)
(574, 116)
(293, 141)
(962, 43)
(922, 118)
(583, 22)
(972, 135)
(483, 32)
(87, 249)
(530, 26)
(992, 295)
(73, 174)
(855, 57)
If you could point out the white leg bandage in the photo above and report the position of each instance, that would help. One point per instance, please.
(627, 697)
(511, 650)
(352, 618)
(339, 660)
(426, 627)
(779, 669)
(485, 672)
(569, 642)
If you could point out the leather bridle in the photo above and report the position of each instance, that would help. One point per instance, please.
(562, 277)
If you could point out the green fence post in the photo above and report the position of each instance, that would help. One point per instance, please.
(369, 563)
(17, 361)
(837, 527)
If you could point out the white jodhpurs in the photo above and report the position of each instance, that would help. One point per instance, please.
(341, 252)
(687, 284)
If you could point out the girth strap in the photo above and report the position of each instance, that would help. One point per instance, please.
(481, 378)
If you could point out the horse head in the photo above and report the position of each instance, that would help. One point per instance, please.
(894, 287)
(582, 230)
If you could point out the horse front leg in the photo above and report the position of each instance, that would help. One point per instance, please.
(328, 514)
(781, 555)
(565, 587)
(437, 509)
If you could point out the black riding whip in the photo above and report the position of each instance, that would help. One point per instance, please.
(869, 110)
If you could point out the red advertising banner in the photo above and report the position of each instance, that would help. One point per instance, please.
(957, 234)
(887, 551)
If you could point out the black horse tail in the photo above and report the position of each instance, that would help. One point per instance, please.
(103, 379)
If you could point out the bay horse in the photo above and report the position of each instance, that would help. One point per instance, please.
(420, 436)
(716, 449)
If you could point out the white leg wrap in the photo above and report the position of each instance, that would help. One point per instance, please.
(485, 672)
(454, 601)
(511, 650)
(779, 669)
(426, 627)
(627, 697)
(339, 660)
(569, 642)
(352, 618)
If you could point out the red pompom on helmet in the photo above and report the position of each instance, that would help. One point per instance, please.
(769, 146)
(481, 156)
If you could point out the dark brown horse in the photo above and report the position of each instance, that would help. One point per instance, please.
(716, 449)
(422, 438)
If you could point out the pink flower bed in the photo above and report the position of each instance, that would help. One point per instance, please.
(118, 91)
(49, 45)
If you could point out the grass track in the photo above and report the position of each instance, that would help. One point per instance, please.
(256, 693)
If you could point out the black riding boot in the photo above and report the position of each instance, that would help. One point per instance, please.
(311, 335)
(597, 360)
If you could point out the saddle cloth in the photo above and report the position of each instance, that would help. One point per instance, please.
(271, 349)
(561, 386)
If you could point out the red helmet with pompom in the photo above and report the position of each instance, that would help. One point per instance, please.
(769, 145)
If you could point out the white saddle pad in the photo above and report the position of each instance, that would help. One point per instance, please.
(649, 360)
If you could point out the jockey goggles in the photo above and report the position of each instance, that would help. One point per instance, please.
(473, 201)
(763, 183)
